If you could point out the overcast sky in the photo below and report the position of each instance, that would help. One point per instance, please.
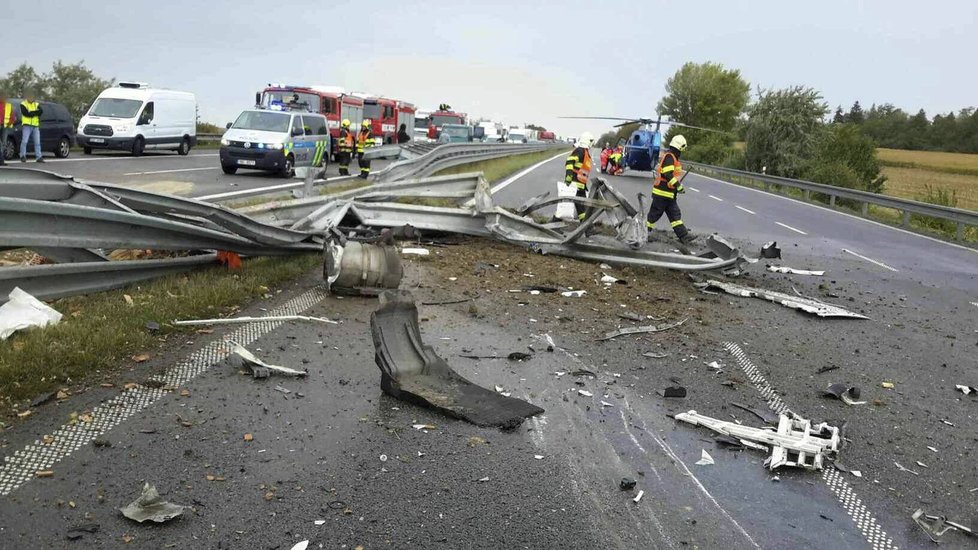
(513, 61)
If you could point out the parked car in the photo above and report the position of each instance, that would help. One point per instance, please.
(134, 117)
(275, 141)
(57, 131)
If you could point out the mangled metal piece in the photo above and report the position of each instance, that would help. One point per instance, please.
(259, 368)
(795, 443)
(808, 305)
(771, 251)
(791, 270)
(844, 393)
(359, 268)
(412, 371)
(935, 526)
(638, 258)
(151, 507)
(641, 330)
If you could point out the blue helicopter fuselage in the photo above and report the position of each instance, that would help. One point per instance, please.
(642, 150)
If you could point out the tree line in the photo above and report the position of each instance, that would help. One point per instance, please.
(894, 128)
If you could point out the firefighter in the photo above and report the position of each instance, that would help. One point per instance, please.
(614, 161)
(364, 141)
(578, 169)
(667, 186)
(605, 152)
(344, 151)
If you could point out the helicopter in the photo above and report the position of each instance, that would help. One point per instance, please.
(641, 151)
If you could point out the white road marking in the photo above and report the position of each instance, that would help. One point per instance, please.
(791, 228)
(745, 210)
(870, 260)
(853, 216)
(693, 189)
(125, 159)
(716, 198)
(505, 183)
(170, 171)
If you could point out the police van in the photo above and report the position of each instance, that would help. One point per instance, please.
(275, 140)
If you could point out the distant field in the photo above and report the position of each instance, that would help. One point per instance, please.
(908, 172)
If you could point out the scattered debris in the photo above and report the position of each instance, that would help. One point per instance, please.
(383, 458)
(766, 416)
(150, 507)
(652, 355)
(887, 385)
(44, 473)
(447, 302)
(825, 369)
(584, 372)
(795, 443)
(903, 468)
(638, 497)
(705, 459)
(627, 484)
(249, 437)
(518, 356)
(771, 251)
(416, 251)
(78, 531)
(842, 468)
(573, 293)
(412, 371)
(967, 390)
(606, 404)
(641, 330)
(848, 395)
(538, 457)
(423, 426)
(608, 280)
(674, 391)
(808, 305)
(152, 326)
(475, 441)
(239, 320)
(935, 526)
(544, 289)
(24, 311)
(42, 399)
(259, 368)
(483, 479)
(551, 346)
(358, 268)
(715, 366)
(585, 393)
(783, 269)
(631, 316)
(301, 545)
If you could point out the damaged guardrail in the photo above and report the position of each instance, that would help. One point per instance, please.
(960, 217)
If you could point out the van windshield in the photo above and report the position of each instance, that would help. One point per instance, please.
(266, 121)
(118, 108)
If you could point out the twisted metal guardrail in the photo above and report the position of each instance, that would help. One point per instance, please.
(960, 217)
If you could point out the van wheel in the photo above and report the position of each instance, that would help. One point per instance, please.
(9, 149)
(184, 149)
(228, 169)
(64, 148)
(288, 169)
(87, 150)
(138, 146)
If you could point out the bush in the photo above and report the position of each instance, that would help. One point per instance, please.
(941, 197)
(844, 157)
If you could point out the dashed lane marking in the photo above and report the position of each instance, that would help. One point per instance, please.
(751, 212)
(860, 514)
(171, 171)
(21, 466)
(716, 198)
(870, 260)
(694, 189)
(505, 183)
(786, 226)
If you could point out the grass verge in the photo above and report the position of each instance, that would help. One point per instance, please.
(101, 332)
(496, 169)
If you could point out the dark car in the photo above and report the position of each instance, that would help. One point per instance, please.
(57, 131)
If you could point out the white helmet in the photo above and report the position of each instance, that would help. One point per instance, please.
(585, 140)
(679, 142)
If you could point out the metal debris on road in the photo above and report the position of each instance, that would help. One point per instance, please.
(791, 270)
(151, 507)
(645, 329)
(653, 355)
(935, 526)
(301, 545)
(413, 372)
(887, 385)
(705, 459)
(24, 311)
(638, 497)
(573, 293)
(79, 531)
(358, 268)
(808, 305)
(259, 368)
(627, 484)
(239, 320)
(903, 468)
(674, 391)
(765, 415)
(825, 369)
(844, 393)
(795, 443)
(967, 390)
(585, 393)
(770, 250)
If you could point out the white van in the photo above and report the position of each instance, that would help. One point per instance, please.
(134, 117)
(277, 141)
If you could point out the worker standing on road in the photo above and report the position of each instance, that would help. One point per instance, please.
(402, 135)
(7, 118)
(364, 140)
(614, 161)
(578, 169)
(344, 151)
(30, 120)
(667, 185)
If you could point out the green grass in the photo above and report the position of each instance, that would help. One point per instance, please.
(101, 332)
(496, 169)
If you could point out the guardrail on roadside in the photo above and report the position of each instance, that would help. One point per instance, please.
(960, 217)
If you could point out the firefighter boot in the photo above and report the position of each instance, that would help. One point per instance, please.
(687, 238)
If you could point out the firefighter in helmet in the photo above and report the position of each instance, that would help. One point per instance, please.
(344, 151)
(577, 169)
(667, 185)
(364, 140)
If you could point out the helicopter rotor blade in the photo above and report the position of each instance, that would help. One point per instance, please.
(597, 117)
(684, 125)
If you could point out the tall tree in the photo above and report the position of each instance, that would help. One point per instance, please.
(783, 128)
(840, 115)
(22, 80)
(74, 86)
(856, 115)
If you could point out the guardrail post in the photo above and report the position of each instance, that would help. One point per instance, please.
(832, 201)
(808, 195)
(906, 218)
(959, 231)
(865, 209)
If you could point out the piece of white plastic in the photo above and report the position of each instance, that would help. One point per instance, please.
(24, 311)
(705, 459)
(785, 269)
(416, 251)
(566, 210)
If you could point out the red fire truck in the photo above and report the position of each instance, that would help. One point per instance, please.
(444, 115)
(546, 135)
(387, 115)
(331, 101)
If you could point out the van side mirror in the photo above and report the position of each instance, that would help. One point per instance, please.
(296, 132)
(257, 98)
(228, 126)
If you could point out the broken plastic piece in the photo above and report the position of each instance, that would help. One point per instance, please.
(935, 526)
(807, 305)
(705, 459)
(771, 250)
(238, 320)
(585, 393)
(259, 368)
(674, 391)
(573, 293)
(413, 372)
(151, 507)
(641, 330)
(416, 251)
(638, 497)
(627, 484)
(783, 269)
(24, 311)
(903, 468)
(967, 390)
(848, 395)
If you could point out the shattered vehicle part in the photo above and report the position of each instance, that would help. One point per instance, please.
(645, 329)
(674, 391)
(791, 270)
(25, 311)
(705, 459)
(844, 393)
(763, 414)
(771, 251)
(239, 320)
(808, 305)
(795, 443)
(935, 526)
(413, 372)
(255, 364)
(355, 268)
(967, 390)
(151, 507)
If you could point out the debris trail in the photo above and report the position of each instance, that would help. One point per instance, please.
(237, 320)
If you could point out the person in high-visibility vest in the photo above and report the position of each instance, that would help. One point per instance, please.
(345, 148)
(7, 118)
(30, 120)
(667, 185)
(365, 140)
(577, 169)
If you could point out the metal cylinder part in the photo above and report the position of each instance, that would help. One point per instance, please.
(358, 268)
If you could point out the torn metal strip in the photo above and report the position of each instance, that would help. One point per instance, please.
(248, 357)
(641, 330)
(807, 305)
(791, 270)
